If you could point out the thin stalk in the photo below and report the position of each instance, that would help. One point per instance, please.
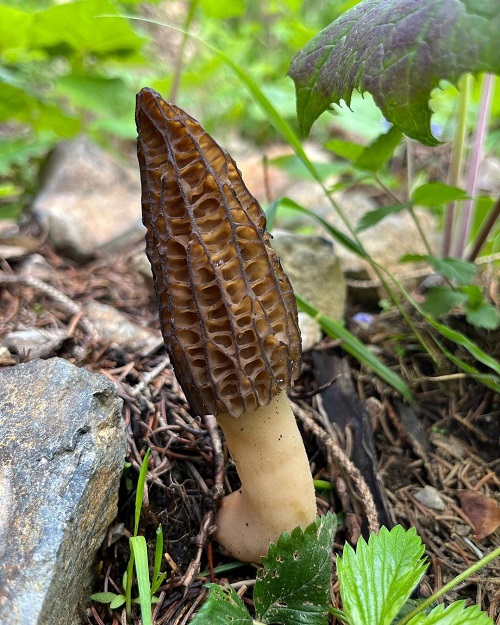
(480, 133)
(412, 215)
(454, 582)
(457, 153)
(486, 228)
(410, 166)
(179, 65)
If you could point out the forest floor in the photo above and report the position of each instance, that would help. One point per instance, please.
(447, 440)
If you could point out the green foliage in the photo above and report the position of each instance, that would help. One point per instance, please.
(139, 560)
(292, 588)
(397, 50)
(376, 580)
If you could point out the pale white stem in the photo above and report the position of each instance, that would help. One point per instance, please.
(277, 491)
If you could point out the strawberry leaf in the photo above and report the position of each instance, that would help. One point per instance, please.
(377, 579)
(293, 588)
(455, 614)
(397, 50)
(223, 606)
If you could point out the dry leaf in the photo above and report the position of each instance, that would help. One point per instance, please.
(483, 512)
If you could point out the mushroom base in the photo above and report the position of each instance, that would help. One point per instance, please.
(277, 491)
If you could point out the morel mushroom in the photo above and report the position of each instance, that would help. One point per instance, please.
(228, 318)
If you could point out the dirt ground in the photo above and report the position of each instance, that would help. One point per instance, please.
(377, 452)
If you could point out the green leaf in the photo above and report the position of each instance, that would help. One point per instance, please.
(399, 51)
(376, 155)
(454, 614)
(371, 218)
(104, 597)
(223, 606)
(377, 579)
(352, 345)
(157, 578)
(14, 28)
(439, 300)
(140, 490)
(484, 315)
(140, 549)
(294, 586)
(78, 26)
(454, 269)
(223, 9)
(345, 149)
(437, 194)
(117, 602)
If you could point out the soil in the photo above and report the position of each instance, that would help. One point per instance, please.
(447, 439)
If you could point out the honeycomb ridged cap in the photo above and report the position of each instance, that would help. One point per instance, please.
(227, 309)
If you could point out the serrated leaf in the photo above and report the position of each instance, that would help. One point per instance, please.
(441, 299)
(377, 579)
(376, 155)
(223, 606)
(104, 597)
(371, 218)
(484, 315)
(397, 50)
(293, 587)
(455, 614)
(437, 194)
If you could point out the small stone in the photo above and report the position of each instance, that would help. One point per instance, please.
(431, 498)
(313, 268)
(114, 326)
(62, 449)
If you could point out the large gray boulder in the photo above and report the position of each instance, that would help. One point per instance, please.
(62, 448)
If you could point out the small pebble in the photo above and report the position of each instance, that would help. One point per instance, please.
(431, 498)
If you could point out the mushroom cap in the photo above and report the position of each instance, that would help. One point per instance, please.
(227, 310)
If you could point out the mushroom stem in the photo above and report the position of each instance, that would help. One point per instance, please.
(277, 491)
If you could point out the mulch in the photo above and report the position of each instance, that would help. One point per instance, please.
(377, 452)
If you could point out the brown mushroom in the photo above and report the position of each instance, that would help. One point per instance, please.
(228, 318)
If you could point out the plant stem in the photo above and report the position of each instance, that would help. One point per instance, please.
(179, 66)
(454, 582)
(339, 615)
(486, 228)
(456, 159)
(473, 165)
(410, 166)
(412, 214)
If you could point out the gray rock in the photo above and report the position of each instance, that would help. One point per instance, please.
(431, 498)
(114, 326)
(62, 447)
(314, 270)
(87, 198)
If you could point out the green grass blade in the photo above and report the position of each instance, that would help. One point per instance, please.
(140, 491)
(356, 348)
(157, 578)
(338, 236)
(489, 380)
(140, 550)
